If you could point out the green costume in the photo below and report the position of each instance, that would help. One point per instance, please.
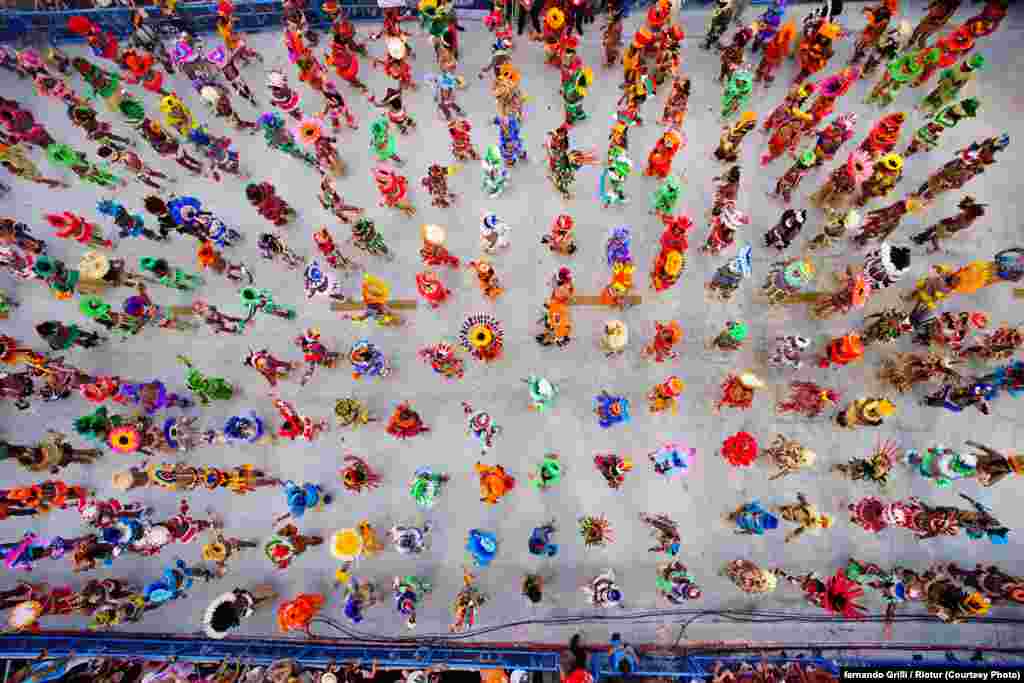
(175, 278)
(898, 73)
(951, 82)
(665, 198)
(548, 474)
(366, 237)
(277, 137)
(737, 92)
(256, 300)
(206, 388)
(495, 175)
(927, 136)
(573, 92)
(382, 142)
(613, 181)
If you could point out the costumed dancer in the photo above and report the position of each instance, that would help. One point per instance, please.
(787, 131)
(970, 211)
(443, 360)
(670, 263)
(382, 142)
(393, 189)
(938, 15)
(727, 279)
(495, 175)
(677, 103)
(838, 190)
(408, 591)
(333, 202)
(815, 51)
(969, 163)
(881, 223)
(730, 339)
(563, 162)
(776, 49)
(886, 172)
(405, 422)
(287, 543)
(832, 88)
(833, 136)
(664, 396)
(927, 136)
(884, 135)
(296, 425)
(898, 73)
(878, 17)
(752, 519)
(807, 399)
(351, 412)
(283, 96)
(865, 412)
(394, 63)
(737, 92)
(951, 83)
(726, 220)
(560, 239)
(462, 145)
(738, 391)
(436, 183)
(510, 141)
(733, 54)
(750, 578)
(732, 136)
(796, 98)
(666, 196)
(659, 161)
(794, 175)
(785, 280)
(721, 17)
(612, 188)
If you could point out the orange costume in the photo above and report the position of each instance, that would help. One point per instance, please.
(815, 53)
(659, 162)
(494, 483)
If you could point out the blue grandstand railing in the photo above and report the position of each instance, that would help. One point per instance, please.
(253, 15)
(314, 653)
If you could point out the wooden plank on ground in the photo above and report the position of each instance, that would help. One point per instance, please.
(632, 300)
(397, 305)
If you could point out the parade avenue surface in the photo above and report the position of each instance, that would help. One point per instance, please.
(698, 502)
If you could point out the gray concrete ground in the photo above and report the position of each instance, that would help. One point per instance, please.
(580, 371)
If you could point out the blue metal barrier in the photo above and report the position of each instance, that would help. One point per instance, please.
(319, 653)
(257, 651)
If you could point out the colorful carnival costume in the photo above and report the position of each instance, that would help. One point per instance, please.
(405, 422)
(807, 399)
(927, 137)
(737, 92)
(970, 212)
(670, 263)
(969, 163)
(833, 136)
(837, 192)
(677, 103)
(789, 181)
(732, 136)
(887, 171)
(727, 279)
(393, 188)
(752, 519)
(495, 175)
(951, 84)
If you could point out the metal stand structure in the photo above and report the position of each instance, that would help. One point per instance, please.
(321, 653)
